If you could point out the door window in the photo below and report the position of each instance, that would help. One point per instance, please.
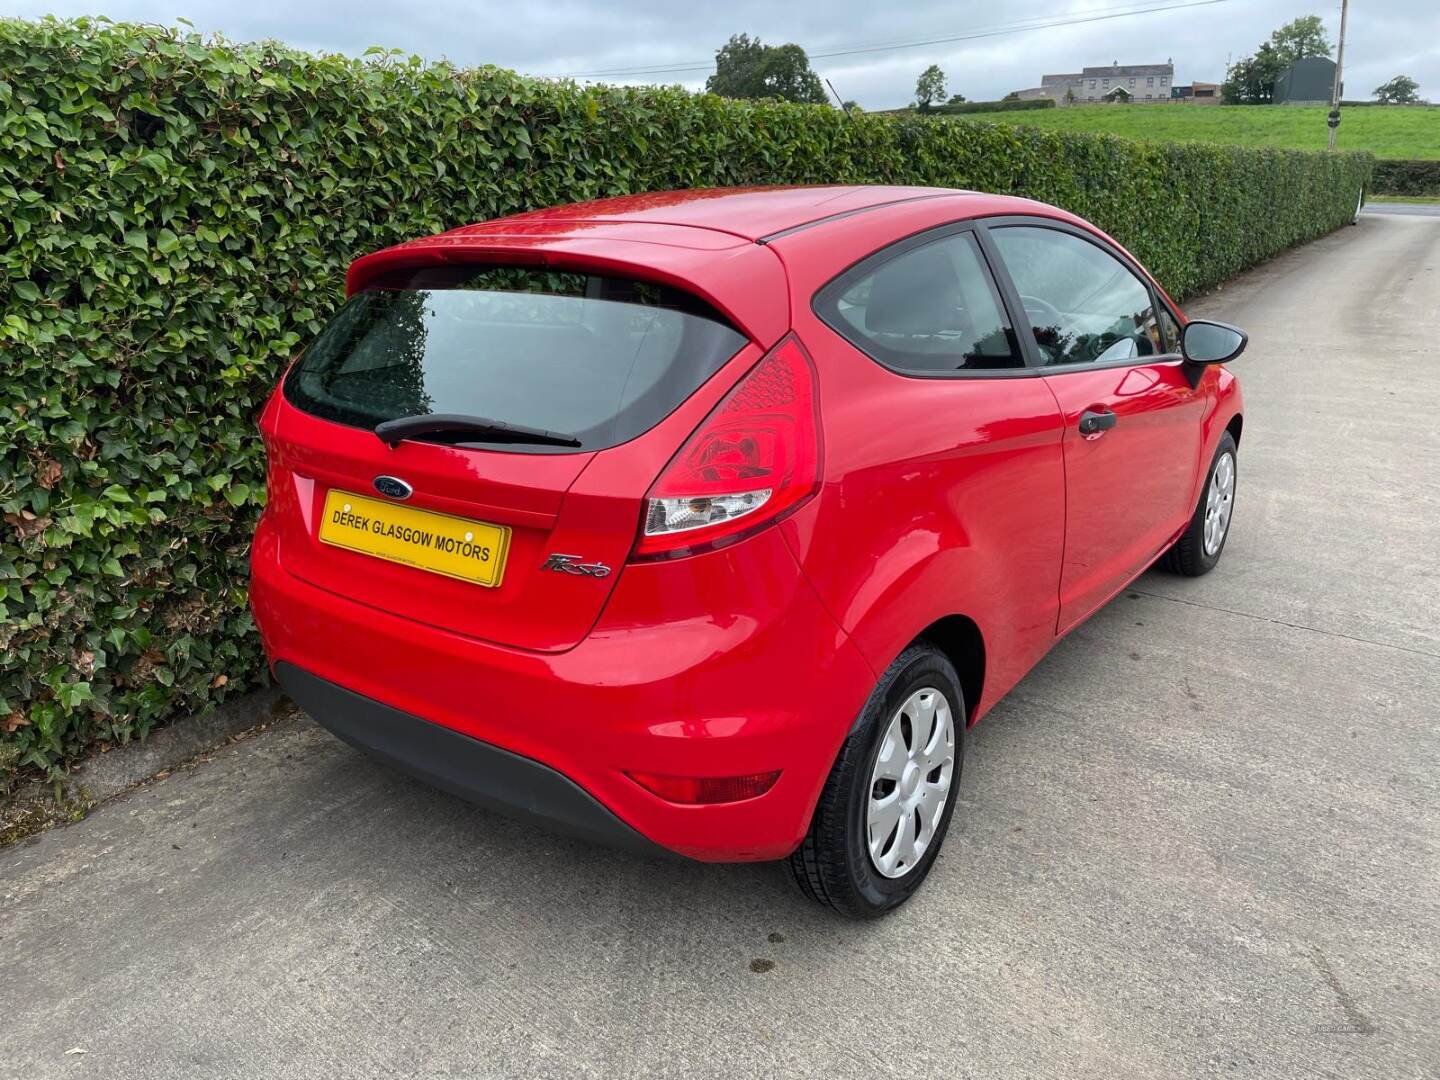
(931, 310)
(1084, 305)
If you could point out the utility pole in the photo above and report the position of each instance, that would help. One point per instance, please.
(1334, 118)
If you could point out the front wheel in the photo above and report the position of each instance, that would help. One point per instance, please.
(1200, 546)
(885, 808)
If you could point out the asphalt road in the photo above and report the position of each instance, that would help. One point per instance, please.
(1202, 838)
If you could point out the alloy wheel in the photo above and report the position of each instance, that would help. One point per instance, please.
(1218, 503)
(910, 783)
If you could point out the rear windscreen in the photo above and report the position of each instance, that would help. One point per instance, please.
(598, 358)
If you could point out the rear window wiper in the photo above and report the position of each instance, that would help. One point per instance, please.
(455, 428)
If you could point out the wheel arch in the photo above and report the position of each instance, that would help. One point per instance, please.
(960, 639)
(1233, 427)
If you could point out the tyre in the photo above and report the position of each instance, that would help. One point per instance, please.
(1201, 545)
(887, 803)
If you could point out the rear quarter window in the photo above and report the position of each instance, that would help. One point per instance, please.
(603, 359)
(931, 309)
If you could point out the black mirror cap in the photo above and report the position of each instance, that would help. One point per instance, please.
(1206, 342)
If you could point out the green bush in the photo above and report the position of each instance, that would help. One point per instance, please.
(1406, 178)
(179, 215)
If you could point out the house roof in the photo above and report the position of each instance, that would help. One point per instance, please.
(1112, 70)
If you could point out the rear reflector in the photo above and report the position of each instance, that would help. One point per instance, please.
(706, 789)
(752, 461)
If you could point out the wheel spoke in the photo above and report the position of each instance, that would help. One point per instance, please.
(940, 749)
(941, 753)
(884, 816)
(904, 849)
(939, 758)
(893, 754)
(922, 722)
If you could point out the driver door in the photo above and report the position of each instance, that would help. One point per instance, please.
(1132, 420)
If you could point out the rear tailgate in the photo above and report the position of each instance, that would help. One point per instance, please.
(530, 493)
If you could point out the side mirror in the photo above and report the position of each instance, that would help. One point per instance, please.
(1204, 342)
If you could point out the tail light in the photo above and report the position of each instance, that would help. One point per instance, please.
(706, 789)
(751, 462)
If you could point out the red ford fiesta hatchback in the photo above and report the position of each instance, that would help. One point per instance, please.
(707, 522)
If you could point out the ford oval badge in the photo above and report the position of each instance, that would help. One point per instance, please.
(392, 487)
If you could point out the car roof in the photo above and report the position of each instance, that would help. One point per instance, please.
(749, 214)
(713, 242)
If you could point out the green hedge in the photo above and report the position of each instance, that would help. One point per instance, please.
(180, 214)
(1406, 178)
(995, 106)
(961, 107)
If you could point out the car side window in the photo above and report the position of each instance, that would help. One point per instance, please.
(1084, 305)
(933, 309)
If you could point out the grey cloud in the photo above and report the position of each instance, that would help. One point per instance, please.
(567, 36)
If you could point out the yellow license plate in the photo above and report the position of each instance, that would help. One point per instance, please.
(440, 543)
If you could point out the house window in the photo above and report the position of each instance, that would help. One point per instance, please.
(1132, 82)
(1162, 80)
(1092, 84)
(1149, 80)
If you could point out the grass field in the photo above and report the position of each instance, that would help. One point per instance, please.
(1394, 132)
(1427, 200)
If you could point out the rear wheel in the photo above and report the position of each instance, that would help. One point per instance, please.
(1199, 548)
(887, 804)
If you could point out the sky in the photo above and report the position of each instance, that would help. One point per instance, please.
(578, 37)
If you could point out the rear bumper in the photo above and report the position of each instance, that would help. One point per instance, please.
(723, 664)
(456, 763)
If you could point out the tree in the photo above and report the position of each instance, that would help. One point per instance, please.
(1300, 38)
(930, 87)
(955, 99)
(1401, 90)
(746, 68)
(851, 107)
(1251, 79)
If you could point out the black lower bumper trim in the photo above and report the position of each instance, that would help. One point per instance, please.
(474, 770)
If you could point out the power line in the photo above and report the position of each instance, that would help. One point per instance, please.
(846, 48)
(858, 48)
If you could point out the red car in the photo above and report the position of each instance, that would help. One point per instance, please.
(706, 522)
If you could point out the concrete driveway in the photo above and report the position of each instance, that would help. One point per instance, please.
(1421, 209)
(1201, 839)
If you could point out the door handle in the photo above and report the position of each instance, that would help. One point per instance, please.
(1095, 422)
